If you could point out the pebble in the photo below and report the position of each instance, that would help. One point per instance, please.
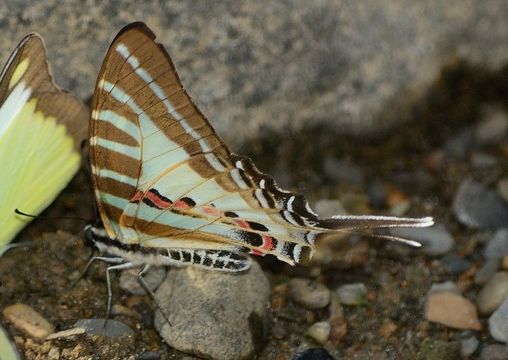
(387, 329)
(112, 328)
(66, 333)
(150, 355)
(154, 276)
(494, 352)
(493, 293)
(455, 263)
(488, 270)
(502, 188)
(493, 127)
(327, 208)
(28, 321)
(482, 161)
(459, 144)
(468, 346)
(452, 310)
(448, 286)
(197, 300)
(319, 331)
(435, 240)
(498, 323)
(352, 294)
(497, 246)
(377, 194)
(313, 354)
(309, 293)
(478, 207)
(432, 349)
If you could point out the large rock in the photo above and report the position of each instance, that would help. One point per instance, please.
(352, 65)
(212, 314)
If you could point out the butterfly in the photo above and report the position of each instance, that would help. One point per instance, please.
(39, 130)
(169, 191)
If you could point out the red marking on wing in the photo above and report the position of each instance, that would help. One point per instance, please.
(210, 210)
(138, 195)
(242, 223)
(181, 205)
(257, 253)
(267, 243)
(160, 203)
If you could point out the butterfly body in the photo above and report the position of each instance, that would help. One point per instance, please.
(168, 189)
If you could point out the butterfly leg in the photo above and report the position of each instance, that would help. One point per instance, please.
(143, 283)
(114, 260)
(122, 266)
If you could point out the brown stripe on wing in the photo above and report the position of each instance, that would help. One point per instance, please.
(103, 158)
(108, 131)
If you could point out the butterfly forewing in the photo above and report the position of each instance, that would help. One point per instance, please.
(40, 131)
(164, 179)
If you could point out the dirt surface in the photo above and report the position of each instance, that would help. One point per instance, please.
(390, 324)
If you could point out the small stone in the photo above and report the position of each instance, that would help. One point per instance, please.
(53, 354)
(377, 193)
(452, 310)
(494, 352)
(486, 271)
(197, 300)
(313, 354)
(459, 144)
(502, 188)
(319, 331)
(493, 126)
(498, 323)
(28, 321)
(129, 280)
(468, 346)
(478, 207)
(497, 246)
(352, 294)
(66, 333)
(448, 286)
(482, 161)
(435, 240)
(455, 263)
(493, 293)
(151, 355)
(309, 293)
(103, 327)
(387, 329)
(327, 208)
(432, 349)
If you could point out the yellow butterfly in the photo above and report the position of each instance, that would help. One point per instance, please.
(39, 130)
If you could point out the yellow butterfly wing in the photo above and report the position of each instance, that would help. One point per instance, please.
(40, 130)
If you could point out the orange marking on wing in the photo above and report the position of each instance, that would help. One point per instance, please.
(267, 243)
(242, 223)
(210, 210)
(181, 205)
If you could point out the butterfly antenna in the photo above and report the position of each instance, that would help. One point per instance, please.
(19, 212)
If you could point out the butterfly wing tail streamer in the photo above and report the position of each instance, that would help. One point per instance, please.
(40, 129)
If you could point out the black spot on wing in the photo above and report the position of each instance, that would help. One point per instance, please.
(257, 226)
